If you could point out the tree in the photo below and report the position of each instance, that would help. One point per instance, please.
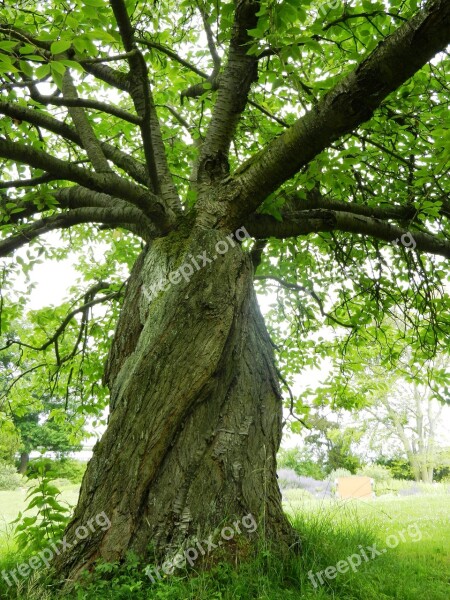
(183, 124)
(334, 443)
(395, 402)
(39, 432)
(35, 419)
(407, 414)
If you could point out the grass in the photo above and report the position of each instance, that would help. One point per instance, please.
(331, 531)
(13, 502)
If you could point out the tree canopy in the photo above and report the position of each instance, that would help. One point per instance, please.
(325, 124)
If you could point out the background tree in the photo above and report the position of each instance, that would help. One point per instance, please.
(397, 408)
(30, 413)
(333, 443)
(407, 415)
(322, 132)
(38, 431)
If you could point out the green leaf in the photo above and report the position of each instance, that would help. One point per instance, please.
(42, 71)
(60, 46)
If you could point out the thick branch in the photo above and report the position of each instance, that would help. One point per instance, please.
(117, 218)
(314, 221)
(234, 86)
(84, 128)
(316, 200)
(153, 145)
(106, 182)
(105, 73)
(350, 103)
(77, 197)
(132, 167)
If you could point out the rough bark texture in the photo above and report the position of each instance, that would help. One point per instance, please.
(196, 412)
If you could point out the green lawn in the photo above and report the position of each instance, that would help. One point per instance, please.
(332, 531)
(13, 502)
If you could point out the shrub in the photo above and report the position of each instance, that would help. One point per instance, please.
(71, 469)
(9, 477)
(288, 479)
(376, 472)
(338, 473)
(301, 461)
(65, 468)
(399, 467)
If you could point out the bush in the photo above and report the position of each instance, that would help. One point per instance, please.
(301, 461)
(377, 472)
(71, 469)
(9, 477)
(399, 467)
(338, 473)
(65, 468)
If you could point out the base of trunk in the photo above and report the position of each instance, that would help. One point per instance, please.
(196, 421)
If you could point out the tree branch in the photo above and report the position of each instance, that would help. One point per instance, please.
(124, 115)
(240, 72)
(89, 302)
(78, 197)
(132, 167)
(154, 150)
(314, 221)
(110, 76)
(107, 182)
(173, 55)
(84, 128)
(210, 37)
(18, 183)
(350, 103)
(111, 216)
(100, 71)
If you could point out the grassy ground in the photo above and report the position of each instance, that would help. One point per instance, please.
(417, 568)
(13, 502)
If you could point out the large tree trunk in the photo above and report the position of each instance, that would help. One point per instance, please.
(196, 411)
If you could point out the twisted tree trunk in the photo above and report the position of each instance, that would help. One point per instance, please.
(196, 409)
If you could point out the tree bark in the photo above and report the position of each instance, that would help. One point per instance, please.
(196, 411)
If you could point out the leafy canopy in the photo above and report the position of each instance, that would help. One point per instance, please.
(329, 119)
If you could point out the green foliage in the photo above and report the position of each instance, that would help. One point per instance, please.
(71, 469)
(49, 518)
(65, 468)
(398, 467)
(9, 441)
(301, 461)
(9, 478)
(377, 472)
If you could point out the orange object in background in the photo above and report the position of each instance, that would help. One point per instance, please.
(354, 487)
